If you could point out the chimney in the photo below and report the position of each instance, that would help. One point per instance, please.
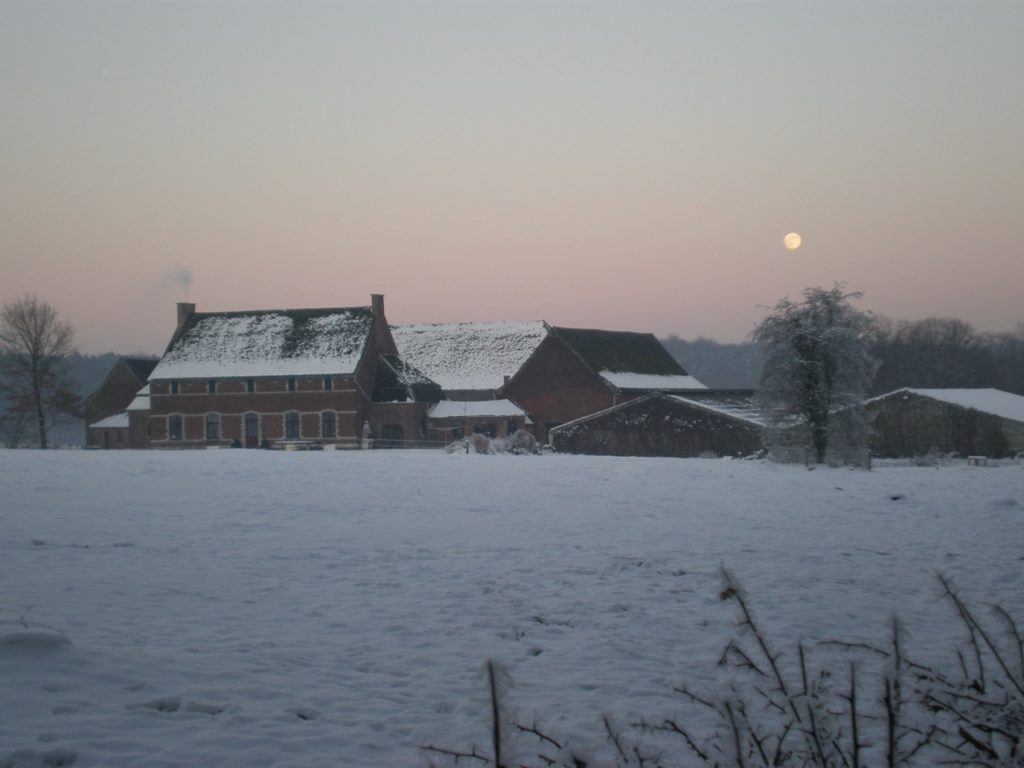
(381, 333)
(185, 311)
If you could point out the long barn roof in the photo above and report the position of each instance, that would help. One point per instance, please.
(993, 401)
(468, 356)
(628, 360)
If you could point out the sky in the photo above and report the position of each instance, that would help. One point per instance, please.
(630, 165)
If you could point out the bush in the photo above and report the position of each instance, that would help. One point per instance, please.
(523, 441)
(865, 706)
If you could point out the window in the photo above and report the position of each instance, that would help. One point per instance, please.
(511, 427)
(213, 426)
(291, 385)
(291, 424)
(328, 383)
(490, 430)
(211, 386)
(250, 385)
(174, 426)
(328, 424)
(174, 387)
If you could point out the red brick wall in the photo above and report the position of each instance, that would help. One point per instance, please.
(555, 386)
(443, 430)
(108, 437)
(230, 428)
(272, 426)
(409, 416)
(114, 395)
(138, 424)
(270, 398)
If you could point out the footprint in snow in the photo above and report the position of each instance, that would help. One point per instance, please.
(171, 704)
(29, 758)
(33, 642)
(165, 704)
(1008, 502)
(205, 708)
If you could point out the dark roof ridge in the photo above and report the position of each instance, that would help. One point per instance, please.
(620, 351)
(599, 330)
(300, 310)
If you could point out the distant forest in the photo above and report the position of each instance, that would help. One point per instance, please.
(929, 353)
(721, 366)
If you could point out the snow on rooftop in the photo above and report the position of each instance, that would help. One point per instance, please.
(276, 343)
(461, 409)
(469, 355)
(117, 421)
(994, 401)
(650, 381)
(141, 401)
(738, 408)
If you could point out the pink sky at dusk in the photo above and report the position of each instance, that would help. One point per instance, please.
(630, 166)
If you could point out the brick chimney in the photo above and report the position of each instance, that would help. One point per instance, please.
(377, 305)
(382, 334)
(185, 311)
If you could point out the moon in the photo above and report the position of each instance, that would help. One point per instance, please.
(792, 241)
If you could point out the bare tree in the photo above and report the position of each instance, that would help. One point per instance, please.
(817, 369)
(34, 380)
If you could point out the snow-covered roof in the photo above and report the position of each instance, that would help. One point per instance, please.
(462, 409)
(461, 356)
(141, 401)
(309, 342)
(650, 381)
(994, 401)
(117, 421)
(736, 404)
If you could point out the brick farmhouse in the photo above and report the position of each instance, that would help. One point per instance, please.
(343, 377)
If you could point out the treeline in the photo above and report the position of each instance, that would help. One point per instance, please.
(721, 366)
(944, 352)
(930, 353)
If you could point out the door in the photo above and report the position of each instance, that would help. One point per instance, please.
(391, 436)
(252, 430)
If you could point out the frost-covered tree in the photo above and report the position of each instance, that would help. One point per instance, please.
(34, 380)
(817, 368)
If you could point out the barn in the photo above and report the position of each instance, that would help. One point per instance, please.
(105, 410)
(576, 372)
(963, 422)
(542, 375)
(685, 425)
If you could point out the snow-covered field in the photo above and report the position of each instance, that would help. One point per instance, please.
(335, 609)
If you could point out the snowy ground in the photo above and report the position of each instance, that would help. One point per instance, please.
(324, 609)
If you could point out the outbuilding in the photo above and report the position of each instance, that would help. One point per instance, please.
(687, 425)
(964, 422)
